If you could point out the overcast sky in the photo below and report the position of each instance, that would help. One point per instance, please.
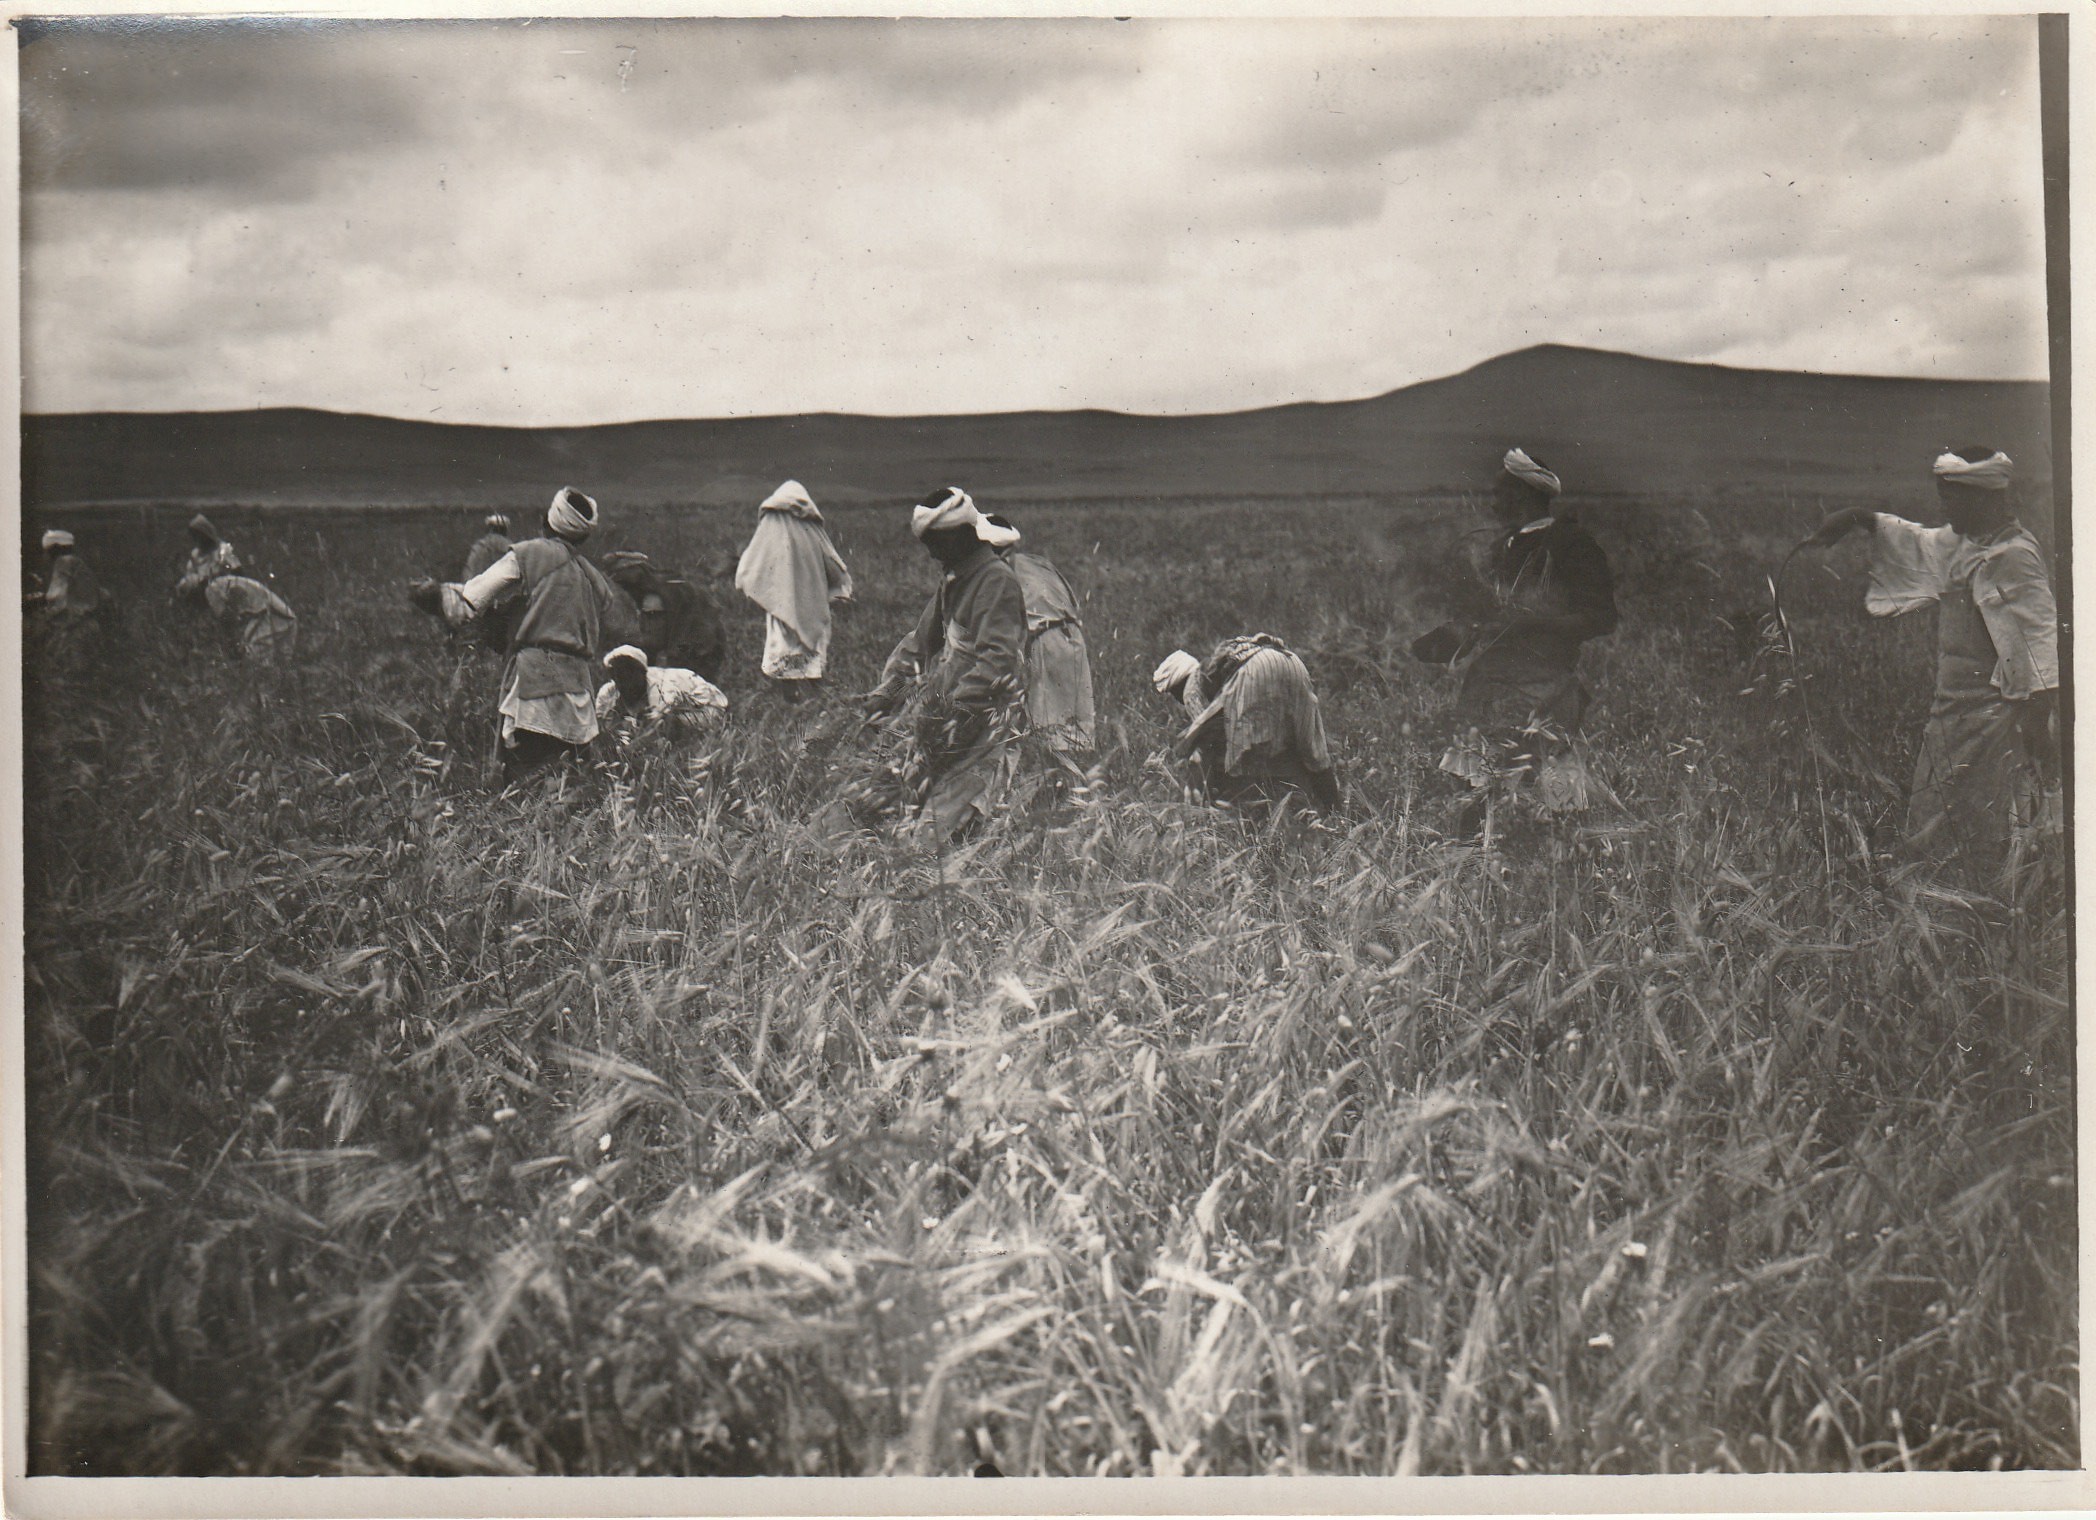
(517, 223)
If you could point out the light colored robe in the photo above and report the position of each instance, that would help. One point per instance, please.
(793, 571)
(264, 623)
(671, 692)
(1977, 803)
(1059, 704)
(1257, 725)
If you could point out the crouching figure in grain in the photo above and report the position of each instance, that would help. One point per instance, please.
(210, 554)
(259, 623)
(1519, 700)
(1254, 733)
(644, 699)
(956, 686)
(1986, 789)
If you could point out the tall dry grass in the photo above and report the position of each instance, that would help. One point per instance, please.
(381, 1124)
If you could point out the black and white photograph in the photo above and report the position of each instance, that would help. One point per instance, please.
(1257, 747)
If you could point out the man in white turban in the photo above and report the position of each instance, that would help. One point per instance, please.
(1987, 780)
(1059, 704)
(70, 611)
(70, 589)
(962, 673)
(1519, 700)
(1254, 733)
(548, 705)
(649, 696)
(793, 571)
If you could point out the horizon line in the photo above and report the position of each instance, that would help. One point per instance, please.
(1072, 411)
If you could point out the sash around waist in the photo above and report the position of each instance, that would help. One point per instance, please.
(547, 673)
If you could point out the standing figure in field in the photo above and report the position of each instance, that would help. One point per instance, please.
(548, 705)
(209, 556)
(1519, 700)
(1987, 780)
(793, 571)
(651, 696)
(962, 678)
(1254, 731)
(260, 624)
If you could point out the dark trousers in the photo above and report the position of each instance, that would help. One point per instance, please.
(533, 754)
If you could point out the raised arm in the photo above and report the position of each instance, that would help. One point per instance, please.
(463, 603)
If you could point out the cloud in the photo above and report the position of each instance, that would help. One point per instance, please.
(589, 221)
(168, 105)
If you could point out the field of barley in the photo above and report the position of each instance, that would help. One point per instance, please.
(382, 1124)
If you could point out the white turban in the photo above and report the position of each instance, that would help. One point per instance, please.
(958, 510)
(498, 521)
(1177, 667)
(1529, 472)
(1990, 474)
(1526, 470)
(572, 514)
(57, 538)
(792, 497)
(631, 652)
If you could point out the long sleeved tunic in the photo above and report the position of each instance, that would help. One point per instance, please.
(970, 645)
(1978, 798)
(547, 682)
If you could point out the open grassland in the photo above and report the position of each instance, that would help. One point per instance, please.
(381, 1124)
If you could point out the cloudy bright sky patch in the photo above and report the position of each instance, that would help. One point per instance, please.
(501, 222)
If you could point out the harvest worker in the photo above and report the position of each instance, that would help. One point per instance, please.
(492, 630)
(1989, 764)
(969, 703)
(548, 704)
(1059, 709)
(650, 696)
(260, 623)
(1058, 665)
(490, 546)
(70, 609)
(209, 555)
(677, 621)
(1255, 734)
(1519, 700)
(793, 571)
(70, 592)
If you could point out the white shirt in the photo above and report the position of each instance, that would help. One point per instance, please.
(670, 690)
(464, 603)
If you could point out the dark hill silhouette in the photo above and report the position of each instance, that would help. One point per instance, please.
(1610, 423)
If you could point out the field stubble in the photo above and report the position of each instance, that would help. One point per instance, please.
(379, 1124)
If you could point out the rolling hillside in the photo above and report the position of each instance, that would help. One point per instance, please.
(1613, 424)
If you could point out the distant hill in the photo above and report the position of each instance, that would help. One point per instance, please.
(1612, 424)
